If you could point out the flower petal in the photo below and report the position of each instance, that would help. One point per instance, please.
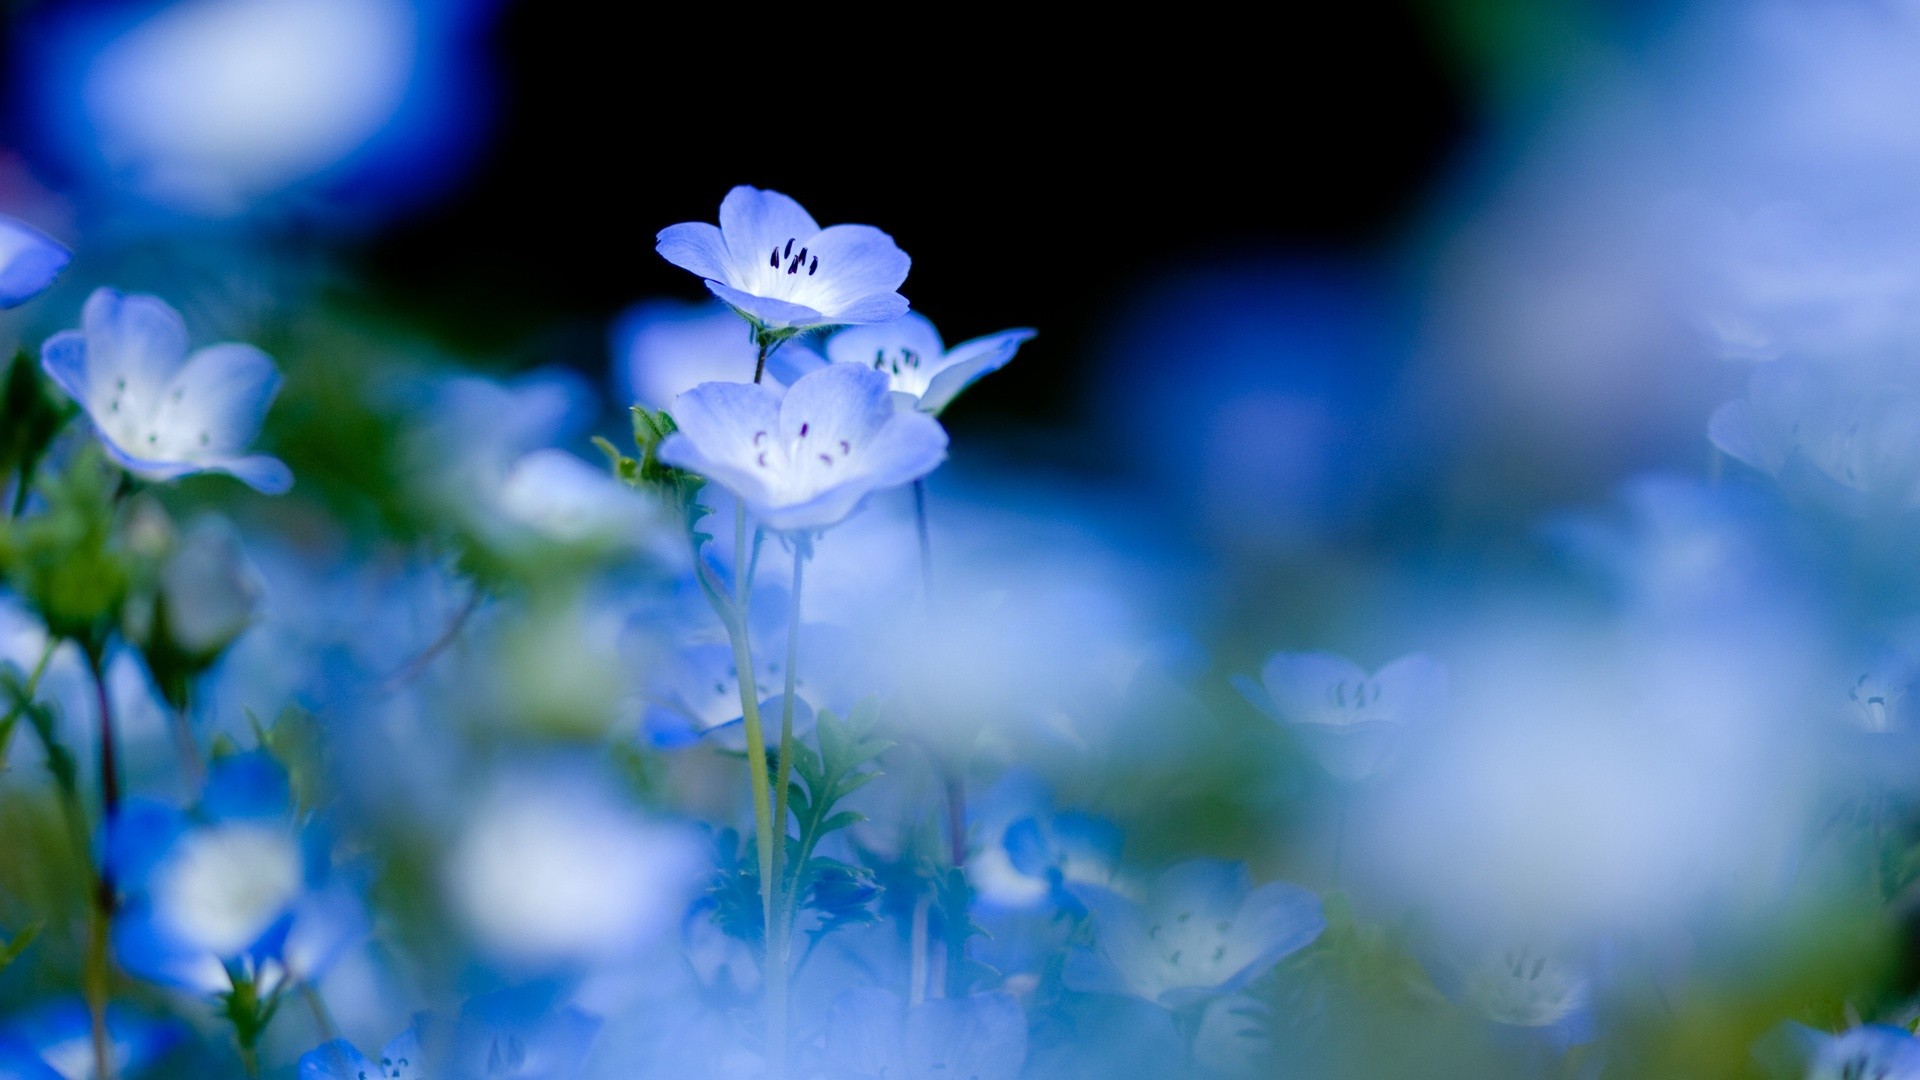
(968, 362)
(838, 402)
(865, 344)
(215, 405)
(755, 221)
(29, 261)
(695, 246)
(134, 345)
(778, 314)
(863, 270)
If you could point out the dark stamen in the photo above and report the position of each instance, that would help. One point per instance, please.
(789, 250)
(803, 430)
(763, 459)
(814, 266)
(845, 448)
(775, 261)
(826, 459)
(757, 436)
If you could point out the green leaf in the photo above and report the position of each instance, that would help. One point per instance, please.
(840, 821)
(19, 944)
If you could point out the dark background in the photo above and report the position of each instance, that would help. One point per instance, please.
(1032, 181)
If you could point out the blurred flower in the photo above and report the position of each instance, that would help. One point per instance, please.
(1857, 432)
(568, 501)
(214, 107)
(209, 589)
(57, 1037)
(562, 870)
(236, 885)
(29, 261)
(664, 348)
(908, 350)
(1867, 1052)
(161, 413)
(697, 694)
(1235, 1036)
(1524, 985)
(873, 1035)
(400, 1059)
(804, 461)
(1059, 851)
(782, 272)
(1200, 929)
(518, 1034)
(1347, 718)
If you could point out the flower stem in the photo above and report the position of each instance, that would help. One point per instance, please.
(784, 896)
(734, 617)
(760, 365)
(926, 539)
(95, 978)
(193, 767)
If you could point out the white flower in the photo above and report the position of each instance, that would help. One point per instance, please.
(161, 413)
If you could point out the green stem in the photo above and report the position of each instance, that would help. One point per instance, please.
(760, 365)
(786, 897)
(735, 619)
(98, 963)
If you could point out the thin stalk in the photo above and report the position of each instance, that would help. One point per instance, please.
(322, 1016)
(926, 540)
(760, 365)
(97, 973)
(193, 767)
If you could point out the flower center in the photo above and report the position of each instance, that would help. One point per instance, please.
(795, 262)
(1354, 693)
(801, 453)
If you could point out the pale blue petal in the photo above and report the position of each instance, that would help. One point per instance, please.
(1214, 886)
(402, 1057)
(877, 307)
(29, 261)
(865, 345)
(840, 402)
(904, 451)
(139, 837)
(216, 403)
(1303, 684)
(251, 785)
(1413, 682)
(336, 1060)
(967, 363)
(979, 1037)
(1279, 919)
(695, 246)
(135, 344)
(755, 221)
(858, 262)
(266, 475)
(64, 358)
(723, 428)
(147, 949)
(865, 1028)
(778, 314)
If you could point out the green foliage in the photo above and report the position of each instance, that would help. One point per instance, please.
(68, 562)
(18, 944)
(31, 414)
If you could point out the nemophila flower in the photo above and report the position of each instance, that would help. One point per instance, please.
(567, 501)
(783, 272)
(400, 1059)
(697, 696)
(518, 1034)
(237, 886)
(1235, 1036)
(1867, 1052)
(210, 591)
(29, 261)
(1198, 929)
(909, 352)
(160, 412)
(803, 461)
(54, 1041)
(1799, 423)
(1346, 718)
(873, 1035)
(558, 870)
(1526, 984)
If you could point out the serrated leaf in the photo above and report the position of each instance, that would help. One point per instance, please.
(841, 820)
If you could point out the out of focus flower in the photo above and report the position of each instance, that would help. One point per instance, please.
(29, 261)
(213, 107)
(1059, 851)
(697, 694)
(1346, 718)
(568, 501)
(873, 1035)
(209, 589)
(54, 1041)
(783, 272)
(1797, 421)
(234, 886)
(908, 350)
(1875, 1051)
(804, 461)
(400, 1059)
(161, 413)
(553, 871)
(1525, 985)
(1235, 1036)
(664, 348)
(1199, 929)
(518, 1034)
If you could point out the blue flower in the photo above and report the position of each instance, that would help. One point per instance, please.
(519, 1034)
(1877, 1051)
(1199, 930)
(1346, 717)
(236, 886)
(400, 1059)
(29, 261)
(803, 461)
(783, 272)
(908, 350)
(871, 1033)
(567, 501)
(55, 1042)
(161, 413)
